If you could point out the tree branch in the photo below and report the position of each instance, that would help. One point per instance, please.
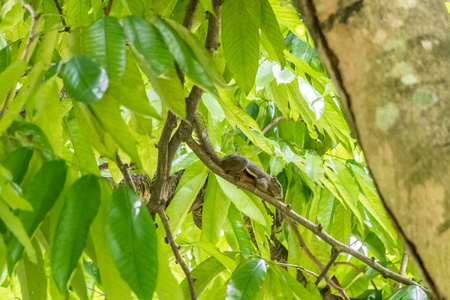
(175, 248)
(324, 270)
(34, 18)
(288, 213)
(191, 8)
(124, 170)
(107, 9)
(299, 268)
(63, 21)
(334, 255)
(403, 264)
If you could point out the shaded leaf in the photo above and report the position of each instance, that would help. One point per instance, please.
(84, 79)
(80, 208)
(42, 193)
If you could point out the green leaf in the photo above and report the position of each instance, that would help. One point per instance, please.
(240, 38)
(247, 280)
(32, 276)
(130, 90)
(215, 206)
(42, 193)
(342, 225)
(216, 253)
(409, 293)
(107, 111)
(240, 231)
(84, 79)
(17, 163)
(200, 53)
(242, 201)
(5, 58)
(147, 41)
(77, 13)
(314, 166)
(80, 208)
(105, 42)
(82, 149)
(289, 17)
(187, 190)
(132, 240)
(9, 78)
(204, 273)
(34, 134)
(114, 286)
(15, 225)
(270, 31)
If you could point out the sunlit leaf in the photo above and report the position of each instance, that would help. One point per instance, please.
(240, 38)
(246, 281)
(105, 42)
(132, 240)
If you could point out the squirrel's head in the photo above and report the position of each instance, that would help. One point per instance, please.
(276, 189)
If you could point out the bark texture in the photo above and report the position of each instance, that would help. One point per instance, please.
(390, 61)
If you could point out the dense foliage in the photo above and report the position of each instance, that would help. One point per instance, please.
(85, 96)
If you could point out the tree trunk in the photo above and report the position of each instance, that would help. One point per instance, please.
(390, 61)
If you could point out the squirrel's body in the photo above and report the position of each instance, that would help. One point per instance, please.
(241, 167)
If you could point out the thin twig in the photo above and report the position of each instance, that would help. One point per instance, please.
(403, 264)
(275, 121)
(34, 18)
(63, 21)
(124, 169)
(334, 255)
(298, 267)
(164, 220)
(289, 213)
(107, 9)
(328, 280)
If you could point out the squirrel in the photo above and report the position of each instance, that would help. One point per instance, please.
(240, 166)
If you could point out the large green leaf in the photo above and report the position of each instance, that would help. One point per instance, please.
(247, 280)
(105, 42)
(80, 208)
(26, 91)
(240, 231)
(42, 193)
(147, 41)
(410, 293)
(204, 273)
(270, 31)
(242, 201)
(15, 225)
(107, 111)
(82, 149)
(185, 56)
(240, 38)
(32, 277)
(84, 79)
(215, 206)
(9, 77)
(17, 163)
(187, 190)
(130, 90)
(114, 286)
(132, 240)
(77, 13)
